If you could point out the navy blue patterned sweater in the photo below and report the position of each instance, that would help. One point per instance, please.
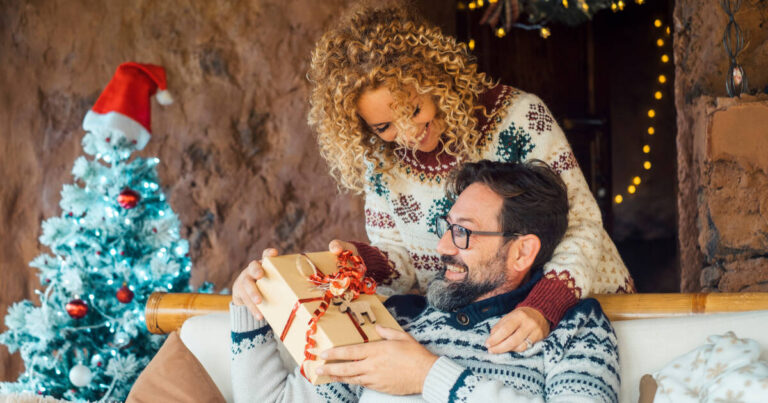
(577, 362)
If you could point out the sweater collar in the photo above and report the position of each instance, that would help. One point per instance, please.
(468, 316)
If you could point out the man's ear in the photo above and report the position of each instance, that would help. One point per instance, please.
(523, 252)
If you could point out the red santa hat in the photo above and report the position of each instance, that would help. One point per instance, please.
(124, 105)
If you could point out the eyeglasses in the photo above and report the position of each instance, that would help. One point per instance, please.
(460, 235)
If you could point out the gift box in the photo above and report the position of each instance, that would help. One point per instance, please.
(316, 301)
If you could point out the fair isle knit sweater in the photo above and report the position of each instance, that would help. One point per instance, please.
(401, 206)
(577, 362)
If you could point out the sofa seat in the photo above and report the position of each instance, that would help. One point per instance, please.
(645, 345)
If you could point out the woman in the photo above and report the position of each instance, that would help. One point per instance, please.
(396, 106)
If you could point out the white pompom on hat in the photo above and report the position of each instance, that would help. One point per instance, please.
(124, 105)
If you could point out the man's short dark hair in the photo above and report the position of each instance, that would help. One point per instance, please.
(535, 199)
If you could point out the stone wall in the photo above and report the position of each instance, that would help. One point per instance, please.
(701, 65)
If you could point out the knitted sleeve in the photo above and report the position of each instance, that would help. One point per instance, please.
(386, 257)
(586, 260)
(259, 374)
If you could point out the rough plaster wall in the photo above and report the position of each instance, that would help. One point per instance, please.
(731, 156)
(700, 67)
(238, 161)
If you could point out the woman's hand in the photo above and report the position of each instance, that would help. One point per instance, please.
(512, 331)
(244, 291)
(336, 247)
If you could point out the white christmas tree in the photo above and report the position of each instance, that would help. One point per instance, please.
(115, 242)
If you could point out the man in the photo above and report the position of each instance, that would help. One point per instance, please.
(503, 227)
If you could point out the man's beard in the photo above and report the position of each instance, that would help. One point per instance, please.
(447, 295)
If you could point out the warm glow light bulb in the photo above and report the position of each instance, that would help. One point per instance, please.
(501, 32)
(479, 3)
(659, 42)
(461, 6)
(631, 189)
(647, 165)
(640, 2)
(544, 32)
(614, 8)
(662, 78)
(668, 30)
(651, 131)
(636, 180)
(657, 23)
(646, 149)
(621, 4)
(492, 1)
(618, 199)
(664, 58)
(472, 5)
(565, 3)
(471, 44)
(651, 113)
(657, 94)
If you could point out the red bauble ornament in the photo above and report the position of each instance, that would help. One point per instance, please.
(77, 308)
(128, 198)
(124, 294)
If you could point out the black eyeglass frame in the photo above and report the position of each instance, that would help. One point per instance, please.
(468, 231)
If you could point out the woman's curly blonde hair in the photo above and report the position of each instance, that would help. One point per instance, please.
(389, 47)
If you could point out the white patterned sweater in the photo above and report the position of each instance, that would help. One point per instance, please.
(577, 362)
(401, 206)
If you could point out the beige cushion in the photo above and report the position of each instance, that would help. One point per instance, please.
(174, 375)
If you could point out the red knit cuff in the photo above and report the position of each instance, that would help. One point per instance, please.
(375, 261)
(552, 298)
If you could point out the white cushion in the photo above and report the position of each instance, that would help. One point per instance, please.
(645, 346)
(209, 338)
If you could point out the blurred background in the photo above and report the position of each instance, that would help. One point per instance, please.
(241, 168)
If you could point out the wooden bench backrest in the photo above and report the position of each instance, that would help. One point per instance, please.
(166, 312)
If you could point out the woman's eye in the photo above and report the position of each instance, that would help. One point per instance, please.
(417, 111)
(382, 129)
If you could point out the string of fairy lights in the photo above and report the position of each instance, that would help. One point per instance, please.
(502, 15)
(499, 10)
(662, 43)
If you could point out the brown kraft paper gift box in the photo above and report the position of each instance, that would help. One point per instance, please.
(286, 282)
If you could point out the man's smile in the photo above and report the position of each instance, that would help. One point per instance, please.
(455, 272)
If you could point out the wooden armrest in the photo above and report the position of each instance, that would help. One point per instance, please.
(166, 312)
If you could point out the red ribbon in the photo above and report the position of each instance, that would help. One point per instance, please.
(350, 277)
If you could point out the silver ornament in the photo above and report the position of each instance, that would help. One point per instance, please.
(80, 375)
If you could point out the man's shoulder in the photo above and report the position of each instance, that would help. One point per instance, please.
(586, 313)
(406, 307)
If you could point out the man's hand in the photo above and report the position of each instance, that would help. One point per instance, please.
(244, 290)
(397, 365)
(510, 333)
